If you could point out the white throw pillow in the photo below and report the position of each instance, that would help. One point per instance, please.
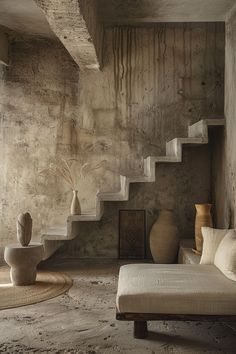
(211, 240)
(225, 258)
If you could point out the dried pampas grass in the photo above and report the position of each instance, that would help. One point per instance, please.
(63, 169)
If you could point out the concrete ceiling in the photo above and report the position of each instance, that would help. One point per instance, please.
(144, 11)
(24, 16)
(78, 23)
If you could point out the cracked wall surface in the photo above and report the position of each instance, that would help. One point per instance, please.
(156, 81)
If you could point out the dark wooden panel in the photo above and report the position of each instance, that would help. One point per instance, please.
(171, 317)
(132, 234)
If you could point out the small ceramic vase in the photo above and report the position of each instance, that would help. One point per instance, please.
(75, 204)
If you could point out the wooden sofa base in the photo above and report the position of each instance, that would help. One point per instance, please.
(140, 320)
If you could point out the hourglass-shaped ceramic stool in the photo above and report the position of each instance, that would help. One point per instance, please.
(23, 262)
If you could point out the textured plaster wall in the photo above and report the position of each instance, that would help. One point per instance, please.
(156, 81)
(38, 91)
(224, 167)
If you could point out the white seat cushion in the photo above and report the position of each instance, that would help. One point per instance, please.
(175, 289)
(211, 240)
(225, 257)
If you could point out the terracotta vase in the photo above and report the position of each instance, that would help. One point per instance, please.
(203, 218)
(164, 240)
(75, 204)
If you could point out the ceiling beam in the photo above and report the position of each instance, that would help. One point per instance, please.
(75, 23)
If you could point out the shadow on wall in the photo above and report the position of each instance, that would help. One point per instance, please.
(223, 179)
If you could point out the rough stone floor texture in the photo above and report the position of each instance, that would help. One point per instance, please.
(83, 321)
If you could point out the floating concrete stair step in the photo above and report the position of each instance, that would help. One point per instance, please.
(140, 179)
(163, 159)
(60, 231)
(197, 135)
(201, 128)
(150, 168)
(92, 215)
(174, 147)
(53, 239)
(121, 195)
(84, 217)
(110, 197)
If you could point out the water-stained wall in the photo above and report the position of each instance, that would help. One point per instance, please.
(155, 81)
(224, 161)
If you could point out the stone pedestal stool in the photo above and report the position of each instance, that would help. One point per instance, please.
(23, 262)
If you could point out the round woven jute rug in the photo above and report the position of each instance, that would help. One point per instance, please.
(48, 285)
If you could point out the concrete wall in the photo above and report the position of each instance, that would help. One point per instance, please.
(156, 81)
(38, 91)
(224, 162)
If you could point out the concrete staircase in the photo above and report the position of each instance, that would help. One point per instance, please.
(197, 135)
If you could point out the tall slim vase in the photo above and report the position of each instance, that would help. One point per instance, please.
(203, 218)
(75, 204)
(164, 240)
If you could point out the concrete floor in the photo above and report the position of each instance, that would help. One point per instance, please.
(83, 321)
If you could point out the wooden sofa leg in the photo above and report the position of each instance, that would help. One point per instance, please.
(140, 329)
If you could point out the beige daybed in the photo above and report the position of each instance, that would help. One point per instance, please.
(174, 292)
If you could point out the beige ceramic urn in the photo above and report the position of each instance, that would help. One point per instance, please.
(164, 240)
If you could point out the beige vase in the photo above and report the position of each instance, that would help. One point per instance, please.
(203, 218)
(164, 240)
(75, 204)
(24, 229)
